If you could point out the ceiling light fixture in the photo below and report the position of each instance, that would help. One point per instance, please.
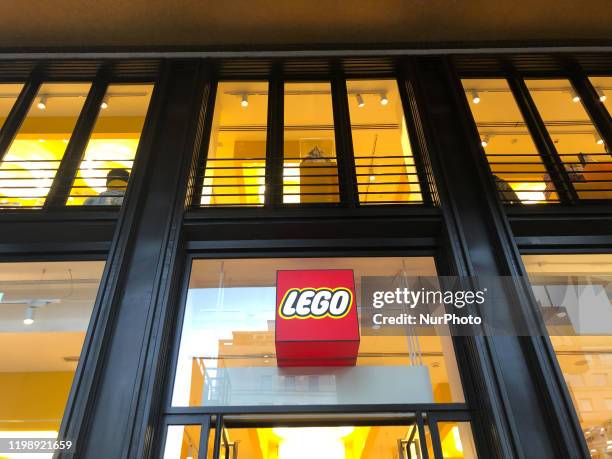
(475, 97)
(244, 100)
(485, 140)
(575, 97)
(384, 100)
(42, 103)
(360, 102)
(601, 94)
(598, 139)
(29, 316)
(104, 104)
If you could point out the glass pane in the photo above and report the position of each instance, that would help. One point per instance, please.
(182, 442)
(8, 96)
(386, 173)
(603, 86)
(29, 166)
(582, 151)
(310, 171)
(228, 354)
(330, 442)
(457, 440)
(104, 172)
(236, 163)
(585, 360)
(44, 314)
(518, 170)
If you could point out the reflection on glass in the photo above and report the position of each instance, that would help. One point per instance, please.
(182, 442)
(457, 440)
(310, 171)
(518, 171)
(227, 353)
(603, 86)
(384, 163)
(44, 313)
(235, 166)
(583, 152)
(585, 360)
(30, 164)
(8, 96)
(104, 172)
(331, 442)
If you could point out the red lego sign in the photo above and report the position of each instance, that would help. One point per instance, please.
(316, 318)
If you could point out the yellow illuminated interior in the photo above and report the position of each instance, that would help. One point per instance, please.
(30, 165)
(386, 173)
(519, 173)
(113, 143)
(329, 442)
(582, 150)
(8, 96)
(585, 360)
(31, 162)
(235, 169)
(603, 86)
(310, 165)
(45, 309)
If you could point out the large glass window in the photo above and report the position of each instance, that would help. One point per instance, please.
(228, 355)
(30, 164)
(45, 309)
(8, 96)
(107, 163)
(235, 166)
(386, 173)
(518, 170)
(577, 290)
(310, 172)
(583, 152)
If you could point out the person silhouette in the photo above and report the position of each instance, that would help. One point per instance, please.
(116, 184)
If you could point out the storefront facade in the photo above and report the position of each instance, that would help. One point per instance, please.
(148, 204)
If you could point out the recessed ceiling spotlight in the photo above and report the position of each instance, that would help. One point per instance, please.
(29, 316)
(475, 97)
(104, 104)
(384, 100)
(42, 103)
(485, 140)
(598, 139)
(360, 102)
(244, 101)
(575, 97)
(601, 94)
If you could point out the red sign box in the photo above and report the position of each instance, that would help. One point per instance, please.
(316, 318)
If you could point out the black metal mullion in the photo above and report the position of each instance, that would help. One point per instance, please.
(218, 437)
(204, 435)
(69, 165)
(349, 192)
(423, 440)
(435, 437)
(543, 141)
(200, 168)
(594, 107)
(275, 141)
(408, 102)
(18, 114)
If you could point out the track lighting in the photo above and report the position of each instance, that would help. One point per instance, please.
(29, 316)
(475, 97)
(42, 103)
(575, 97)
(360, 102)
(104, 104)
(602, 96)
(384, 100)
(244, 101)
(485, 140)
